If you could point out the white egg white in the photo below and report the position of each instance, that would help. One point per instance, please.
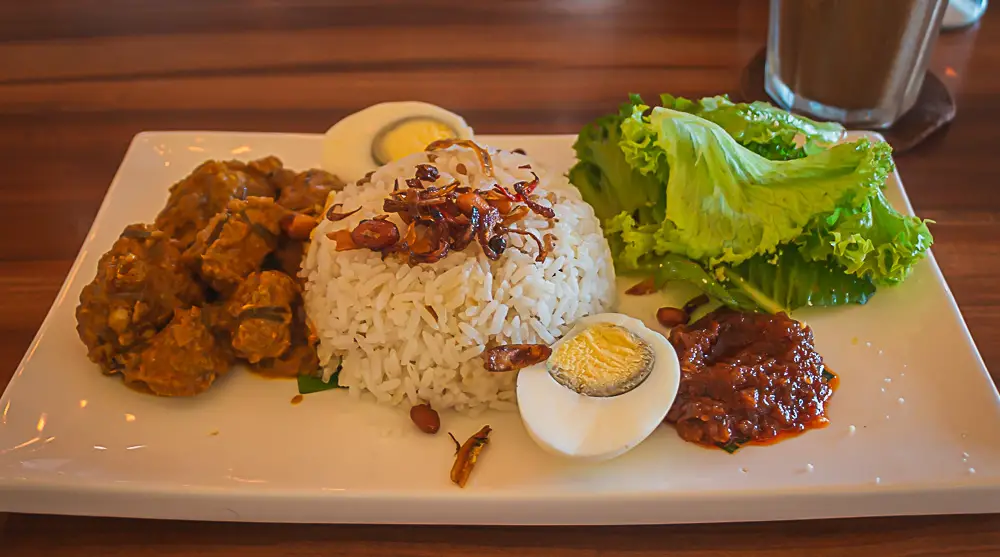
(598, 428)
(347, 145)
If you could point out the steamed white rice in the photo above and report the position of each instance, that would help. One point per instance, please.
(375, 315)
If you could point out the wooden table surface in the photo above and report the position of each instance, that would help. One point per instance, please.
(79, 78)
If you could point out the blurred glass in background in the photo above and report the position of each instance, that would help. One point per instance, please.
(859, 62)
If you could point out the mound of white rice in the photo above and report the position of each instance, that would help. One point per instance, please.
(376, 314)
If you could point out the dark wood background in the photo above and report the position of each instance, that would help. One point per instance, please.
(78, 78)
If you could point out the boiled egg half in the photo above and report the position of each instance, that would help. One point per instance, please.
(607, 385)
(386, 132)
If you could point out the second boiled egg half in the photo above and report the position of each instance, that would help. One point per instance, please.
(385, 132)
(607, 385)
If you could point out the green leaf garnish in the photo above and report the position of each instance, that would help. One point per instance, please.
(312, 384)
(730, 447)
(827, 376)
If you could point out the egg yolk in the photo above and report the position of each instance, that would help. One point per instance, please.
(409, 136)
(602, 360)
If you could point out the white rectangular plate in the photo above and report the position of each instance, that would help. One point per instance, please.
(915, 423)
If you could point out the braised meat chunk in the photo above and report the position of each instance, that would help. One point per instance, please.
(217, 319)
(288, 257)
(138, 285)
(300, 358)
(207, 191)
(212, 282)
(236, 241)
(183, 359)
(273, 170)
(307, 191)
(747, 377)
(261, 312)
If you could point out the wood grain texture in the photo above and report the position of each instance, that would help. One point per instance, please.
(78, 78)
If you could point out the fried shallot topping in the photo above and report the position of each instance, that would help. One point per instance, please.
(512, 357)
(334, 213)
(643, 288)
(440, 218)
(427, 173)
(484, 157)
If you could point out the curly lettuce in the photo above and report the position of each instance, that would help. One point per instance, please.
(747, 202)
(872, 240)
(726, 203)
(606, 180)
(760, 127)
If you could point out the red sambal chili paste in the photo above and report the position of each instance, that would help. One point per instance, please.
(748, 378)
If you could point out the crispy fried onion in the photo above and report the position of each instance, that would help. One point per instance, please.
(512, 357)
(646, 287)
(482, 154)
(427, 173)
(334, 213)
(442, 218)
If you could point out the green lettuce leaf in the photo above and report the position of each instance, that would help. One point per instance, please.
(788, 281)
(764, 129)
(606, 180)
(783, 282)
(873, 240)
(746, 202)
(725, 203)
(677, 268)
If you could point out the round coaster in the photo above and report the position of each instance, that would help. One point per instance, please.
(934, 108)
